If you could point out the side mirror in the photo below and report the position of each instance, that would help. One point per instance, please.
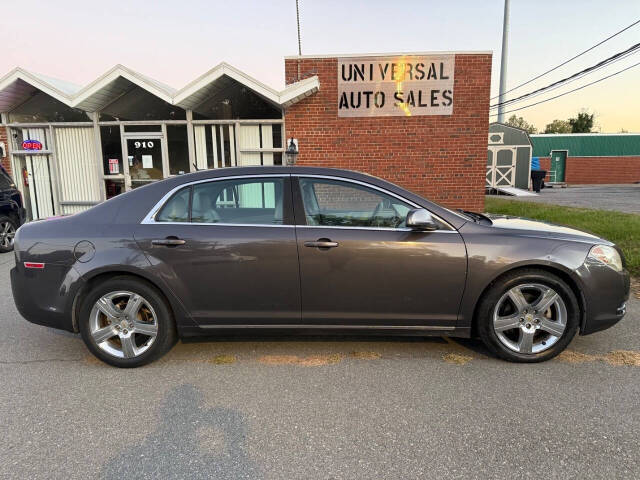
(421, 220)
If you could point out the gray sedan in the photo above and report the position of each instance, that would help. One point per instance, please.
(309, 249)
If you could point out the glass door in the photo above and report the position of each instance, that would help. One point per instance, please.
(145, 158)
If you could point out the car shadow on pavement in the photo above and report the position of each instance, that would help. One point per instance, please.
(318, 343)
(268, 337)
(191, 441)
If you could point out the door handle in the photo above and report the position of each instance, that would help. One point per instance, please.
(168, 242)
(322, 243)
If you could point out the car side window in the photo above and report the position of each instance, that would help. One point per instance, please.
(345, 204)
(254, 201)
(177, 208)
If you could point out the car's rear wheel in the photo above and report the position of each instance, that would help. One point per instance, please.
(528, 316)
(7, 233)
(126, 322)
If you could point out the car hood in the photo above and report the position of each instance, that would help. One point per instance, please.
(537, 227)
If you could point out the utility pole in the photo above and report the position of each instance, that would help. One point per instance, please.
(299, 42)
(298, 22)
(503, 60)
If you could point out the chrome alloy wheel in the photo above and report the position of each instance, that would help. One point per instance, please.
(530, 318)
(123, 324)
(7, 234)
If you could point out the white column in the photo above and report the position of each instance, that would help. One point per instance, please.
(192, 151)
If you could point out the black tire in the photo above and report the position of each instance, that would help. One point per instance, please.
(489, 301)
(166, 330)
(3, 220)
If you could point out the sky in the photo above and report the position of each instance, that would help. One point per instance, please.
(175, 42)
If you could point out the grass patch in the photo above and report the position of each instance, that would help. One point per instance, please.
(310, 361)
(617, 358)
(620, 228)
(457, 358)
(365, 355)
(223, 359)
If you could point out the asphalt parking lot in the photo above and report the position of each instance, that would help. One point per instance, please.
(621, 198)
(338, 407)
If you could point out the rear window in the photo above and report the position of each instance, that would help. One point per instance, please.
(177, 208)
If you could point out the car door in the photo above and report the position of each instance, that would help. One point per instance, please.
(227, 249)
(359, 265)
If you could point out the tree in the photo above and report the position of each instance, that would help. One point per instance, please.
(558, 126)
(520, 122)
(583, 123)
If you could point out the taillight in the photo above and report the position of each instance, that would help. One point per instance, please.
(36, 265)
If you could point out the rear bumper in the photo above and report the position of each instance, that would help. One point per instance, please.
(605, 295)
(45, 297)
(22, 215)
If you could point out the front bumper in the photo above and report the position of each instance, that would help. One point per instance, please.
(605, 293)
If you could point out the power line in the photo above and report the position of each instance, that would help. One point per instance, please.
(554, 87)
(567, 61)
(607, 61)
(570, 91)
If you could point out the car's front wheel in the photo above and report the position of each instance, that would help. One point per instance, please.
(528, 316)
(126, 322)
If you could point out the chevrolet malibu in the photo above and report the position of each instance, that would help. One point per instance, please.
(309, 249)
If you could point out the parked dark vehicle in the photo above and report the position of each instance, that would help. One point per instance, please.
(309, 249)
(12, 213)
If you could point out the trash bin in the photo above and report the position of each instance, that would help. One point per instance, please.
(537, 179)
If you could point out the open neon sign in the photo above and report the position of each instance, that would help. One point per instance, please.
(32, 145)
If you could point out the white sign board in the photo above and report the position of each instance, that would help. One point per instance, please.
(406, 85)
(147, 161)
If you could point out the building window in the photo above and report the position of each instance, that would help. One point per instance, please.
(113, 187)
(257, 142)
(178, 149)
(20, 135)
(143, 128)
(140, 105)
(235, 101)
(215, 146)
(43, 108)
(111, 150)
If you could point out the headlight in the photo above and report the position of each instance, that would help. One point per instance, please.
(607, 255)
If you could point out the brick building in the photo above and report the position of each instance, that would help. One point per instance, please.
(589, 158)
(441, 157)
(420, 120)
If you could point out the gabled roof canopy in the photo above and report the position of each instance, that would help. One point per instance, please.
(19, 85)
(114, 83)
(217, 79)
